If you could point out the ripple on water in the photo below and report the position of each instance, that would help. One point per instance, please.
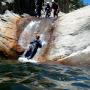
(13, 86)
(43, 77)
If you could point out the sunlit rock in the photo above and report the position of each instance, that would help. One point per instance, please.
(8, 33)
(16, 33)
(72, 38)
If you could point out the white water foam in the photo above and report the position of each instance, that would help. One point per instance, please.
(25, 60)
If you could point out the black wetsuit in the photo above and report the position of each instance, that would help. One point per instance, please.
(34, 45)
(47, 10)
(55, 8)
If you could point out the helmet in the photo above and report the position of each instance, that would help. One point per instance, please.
(52, 0)
(47, 2)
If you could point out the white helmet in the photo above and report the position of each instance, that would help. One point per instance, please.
(52, 0)
(48, 2)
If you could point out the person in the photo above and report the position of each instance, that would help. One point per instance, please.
(47, 10)
(33, 47)
(55, 7)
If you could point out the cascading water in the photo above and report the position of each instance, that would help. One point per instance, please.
(28, 33)
(41, 27)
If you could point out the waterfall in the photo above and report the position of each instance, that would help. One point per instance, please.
(28, 33)
(42, 27)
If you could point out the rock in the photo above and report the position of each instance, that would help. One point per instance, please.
(17, 32)
(72, 34)
(67, 38)
(9, 33)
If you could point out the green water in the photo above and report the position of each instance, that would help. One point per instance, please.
(17, 76)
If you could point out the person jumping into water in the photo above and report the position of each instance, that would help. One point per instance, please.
(33, 47)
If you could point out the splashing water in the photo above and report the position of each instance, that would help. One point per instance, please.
(28, 33)
(35, 26)
(42, 27)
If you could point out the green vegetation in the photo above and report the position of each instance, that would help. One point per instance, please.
(69, 5)
(75, 4)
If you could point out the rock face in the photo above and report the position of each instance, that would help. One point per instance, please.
(16, 33)
(8, 33)
(72, 34)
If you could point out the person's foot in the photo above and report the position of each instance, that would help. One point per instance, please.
(28, 58)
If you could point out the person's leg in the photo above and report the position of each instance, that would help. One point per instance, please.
(28, 53)
(39, 13)
(57, 13)
(54, 13)
(32, 54)
(46, 14)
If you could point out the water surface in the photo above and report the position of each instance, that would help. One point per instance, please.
(18, 76)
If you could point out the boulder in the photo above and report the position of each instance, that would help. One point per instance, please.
(16, 33)
(72, 34)
(9, 33)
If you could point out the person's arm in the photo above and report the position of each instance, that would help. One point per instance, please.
(32, 42)
(39, 44)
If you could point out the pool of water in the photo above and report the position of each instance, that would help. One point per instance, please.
(43, 77)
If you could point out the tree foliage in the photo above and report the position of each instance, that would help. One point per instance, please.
(69, 5)
(75, 4)
(24, 6)
(28, 6)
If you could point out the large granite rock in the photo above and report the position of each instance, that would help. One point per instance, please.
(72, 38)
(8, 33)
(16, 33)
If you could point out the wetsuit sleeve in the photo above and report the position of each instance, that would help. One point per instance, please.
(32, 42)
(39, 44)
